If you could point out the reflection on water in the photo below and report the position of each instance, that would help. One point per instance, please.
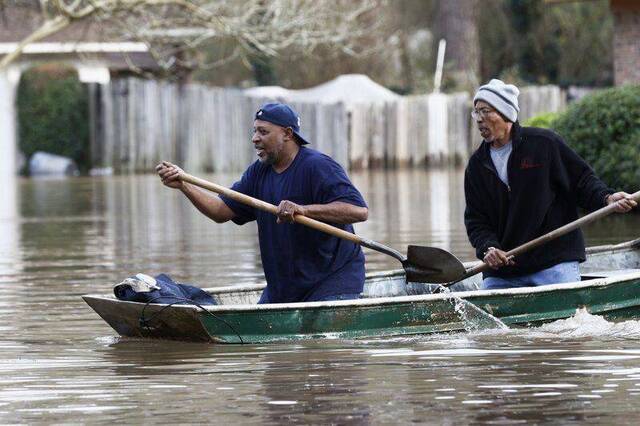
(9, 229)
(60, 363)
(9, 232)
(413, 207)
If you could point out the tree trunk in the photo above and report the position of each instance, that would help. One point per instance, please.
(405, 62)
(456, 22)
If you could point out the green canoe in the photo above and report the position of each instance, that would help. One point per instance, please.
(389, 306)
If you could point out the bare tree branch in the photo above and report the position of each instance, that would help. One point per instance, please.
(49, 27)
(172, 27)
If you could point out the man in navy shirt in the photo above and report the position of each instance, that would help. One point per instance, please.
(300, 263)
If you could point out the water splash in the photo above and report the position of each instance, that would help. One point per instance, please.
(584, 324)
(474, 318)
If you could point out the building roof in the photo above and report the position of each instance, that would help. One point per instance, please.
(349, 89)
(19, 21)
(84, 40)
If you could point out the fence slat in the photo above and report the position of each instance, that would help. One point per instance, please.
(208, 129)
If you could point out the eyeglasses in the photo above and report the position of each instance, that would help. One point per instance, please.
(481, 113)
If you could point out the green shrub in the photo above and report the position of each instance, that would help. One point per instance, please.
(544, 120)
(53, 113)
(604, 129)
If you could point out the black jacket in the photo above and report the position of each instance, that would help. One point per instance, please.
(547, 182)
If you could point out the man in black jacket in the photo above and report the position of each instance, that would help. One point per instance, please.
(523, 182)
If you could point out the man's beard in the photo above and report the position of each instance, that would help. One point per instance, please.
(269, 159)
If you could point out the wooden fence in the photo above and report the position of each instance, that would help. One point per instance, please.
(141, 122)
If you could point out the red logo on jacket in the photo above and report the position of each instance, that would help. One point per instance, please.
(527, 163)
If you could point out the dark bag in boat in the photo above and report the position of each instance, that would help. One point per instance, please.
(161, 289)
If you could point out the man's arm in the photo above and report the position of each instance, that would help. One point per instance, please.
(479, 230)
(333, 198)
(481, 233)
(208, 204)
(336, 212)
(592, 193)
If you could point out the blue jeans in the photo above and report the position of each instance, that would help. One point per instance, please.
(565, 272)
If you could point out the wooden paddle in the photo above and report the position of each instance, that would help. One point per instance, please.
(591, 217)
(422, 264)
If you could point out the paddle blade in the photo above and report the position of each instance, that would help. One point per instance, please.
(432, 265)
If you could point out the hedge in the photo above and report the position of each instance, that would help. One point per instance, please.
(544, 120)
(604, 129)
(53, 114)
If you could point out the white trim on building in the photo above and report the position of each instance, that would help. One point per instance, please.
(42, 48)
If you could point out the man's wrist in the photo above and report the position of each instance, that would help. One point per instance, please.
(488, 250)
(186, 188)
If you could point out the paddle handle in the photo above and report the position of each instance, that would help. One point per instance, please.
(598, 214)
(270, 208)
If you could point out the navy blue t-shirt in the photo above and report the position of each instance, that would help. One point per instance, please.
(300, 263)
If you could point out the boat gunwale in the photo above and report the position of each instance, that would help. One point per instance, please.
(377, 301)
(623, 246)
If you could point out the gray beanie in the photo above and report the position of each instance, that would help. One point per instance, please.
(503, 97)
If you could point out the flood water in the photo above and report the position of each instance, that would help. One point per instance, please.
(60, 363)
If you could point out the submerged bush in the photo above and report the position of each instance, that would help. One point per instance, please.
(604, 129)
(53, 113)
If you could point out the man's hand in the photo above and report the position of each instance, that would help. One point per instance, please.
(170, 174)
(497, 258)
(287, 210)
(623, 201)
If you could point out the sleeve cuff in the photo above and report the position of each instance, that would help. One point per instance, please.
(480, 251)
(237, 208)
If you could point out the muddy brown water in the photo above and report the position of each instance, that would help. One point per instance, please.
(60, 363)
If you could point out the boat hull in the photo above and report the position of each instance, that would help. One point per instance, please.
(390, 307)
(617, 298)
